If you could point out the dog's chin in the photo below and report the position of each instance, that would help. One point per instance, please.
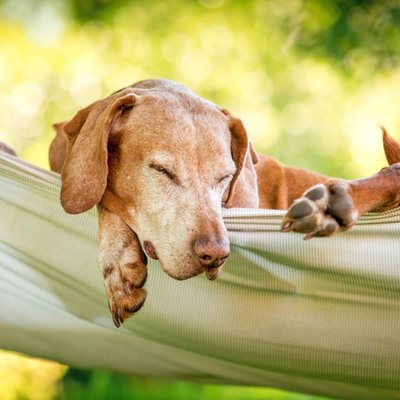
(182, 275)
(187, 270)
(213, 273)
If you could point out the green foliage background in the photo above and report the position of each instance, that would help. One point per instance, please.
(311, 79)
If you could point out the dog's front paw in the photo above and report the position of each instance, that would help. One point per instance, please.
(124, 303)
(124, 271)
(123, 284)
(123, 264)
(323, 210)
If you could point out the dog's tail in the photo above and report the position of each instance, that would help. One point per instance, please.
(391, 147)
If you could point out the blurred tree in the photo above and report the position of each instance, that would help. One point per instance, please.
(310, 78)
(90, 10)
(345, 31)
(350, 32)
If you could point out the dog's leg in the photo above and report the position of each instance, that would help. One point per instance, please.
(334, 206)
(123, 264)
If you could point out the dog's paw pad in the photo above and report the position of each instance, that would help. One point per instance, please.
(341, 205)
(322, 211)
(327, 227)
(308, 224)
(301, 208)
(319, 195)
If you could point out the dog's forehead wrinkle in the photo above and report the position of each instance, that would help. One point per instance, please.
(176, 103)
(167, 88)
(183, 117)
(213, 156)
(162, 158)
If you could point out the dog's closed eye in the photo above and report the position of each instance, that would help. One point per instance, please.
(166, 172)
(224, 178)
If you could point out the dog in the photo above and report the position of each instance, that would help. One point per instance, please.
(160, 163)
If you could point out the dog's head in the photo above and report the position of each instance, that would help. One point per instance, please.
(165, 161)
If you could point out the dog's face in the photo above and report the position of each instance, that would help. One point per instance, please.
(165, 161)
(171, 168)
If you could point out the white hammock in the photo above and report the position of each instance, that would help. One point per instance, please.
(321, 316)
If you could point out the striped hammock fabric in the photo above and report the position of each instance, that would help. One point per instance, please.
(319, 316)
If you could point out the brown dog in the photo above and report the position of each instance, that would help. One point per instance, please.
(160, 163)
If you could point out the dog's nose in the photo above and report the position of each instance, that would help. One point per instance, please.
(211, 251)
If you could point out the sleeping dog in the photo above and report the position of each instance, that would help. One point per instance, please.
(160, 163)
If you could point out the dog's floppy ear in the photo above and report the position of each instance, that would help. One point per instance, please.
(58, 148)
(85, 170)
(243, 190)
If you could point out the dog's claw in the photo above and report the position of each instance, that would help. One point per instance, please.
(120, 316)
(123, 305)
(127, 288)
(308, 236)
(115, 318)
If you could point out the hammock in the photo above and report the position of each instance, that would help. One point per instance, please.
(320, 317)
